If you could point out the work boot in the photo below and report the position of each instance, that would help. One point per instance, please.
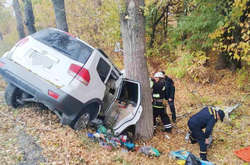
(193, 140)
(203, 157)
(168, 130)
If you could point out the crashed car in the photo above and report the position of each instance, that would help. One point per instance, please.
(73, 79)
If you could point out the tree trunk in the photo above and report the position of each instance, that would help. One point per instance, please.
(166, 23)
(157, 21)
(19, 19)
(29, 16)
(59, 8)
(221, 62)
(133, 31)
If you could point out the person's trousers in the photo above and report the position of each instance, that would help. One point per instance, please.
(164, 117)
(199, 136)
(172, 108)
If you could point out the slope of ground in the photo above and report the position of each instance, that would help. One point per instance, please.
(57, 144)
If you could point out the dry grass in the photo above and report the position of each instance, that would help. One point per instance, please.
(62, 145)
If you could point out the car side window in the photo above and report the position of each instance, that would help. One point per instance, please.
(103, 69)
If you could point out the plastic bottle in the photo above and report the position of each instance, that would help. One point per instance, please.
(187, 137)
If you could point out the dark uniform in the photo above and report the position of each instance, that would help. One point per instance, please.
(206, 118)
(170, 91)
(158, 106)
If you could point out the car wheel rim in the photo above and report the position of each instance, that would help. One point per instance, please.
(82, 122)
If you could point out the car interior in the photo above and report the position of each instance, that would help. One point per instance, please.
(124, 105)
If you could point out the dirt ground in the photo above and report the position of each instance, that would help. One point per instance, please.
(30, 135)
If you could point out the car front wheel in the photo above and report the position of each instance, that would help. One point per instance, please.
(12, 95)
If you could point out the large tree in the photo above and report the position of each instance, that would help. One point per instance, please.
(133, 36)
(29, 16)
(19, 19)
(61, 21)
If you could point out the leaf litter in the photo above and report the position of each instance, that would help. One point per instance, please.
(61, 145)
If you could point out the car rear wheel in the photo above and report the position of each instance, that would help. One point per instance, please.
(82, 121)
(12, 95)
(88, 114)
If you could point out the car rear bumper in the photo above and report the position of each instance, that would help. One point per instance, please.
(67, 106)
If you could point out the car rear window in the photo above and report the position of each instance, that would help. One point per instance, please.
(65, 44)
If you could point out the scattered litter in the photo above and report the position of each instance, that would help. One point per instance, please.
(108, 141)
(244, 154)
(183, 155)
(181, 162)
(187, 137)
(167, 137)
(129, 146)
(192, 160)
(102, 129)
(150, 151)
(123, 138)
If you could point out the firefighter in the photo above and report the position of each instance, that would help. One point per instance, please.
(170, 91)
(206, 118)
(158, 95)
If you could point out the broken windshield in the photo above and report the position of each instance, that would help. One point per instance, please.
(65, 44)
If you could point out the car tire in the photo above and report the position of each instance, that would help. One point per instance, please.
(11, 95)
(81, 122)
(84, 118)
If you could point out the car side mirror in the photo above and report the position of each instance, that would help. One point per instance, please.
(117, 47)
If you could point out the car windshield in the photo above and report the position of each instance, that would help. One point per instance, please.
(65, 44)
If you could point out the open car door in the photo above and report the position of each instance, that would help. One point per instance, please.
(126, 109)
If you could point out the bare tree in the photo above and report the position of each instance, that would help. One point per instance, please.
(29, 16)
(133, 31)
(19, 18)
(61, 21)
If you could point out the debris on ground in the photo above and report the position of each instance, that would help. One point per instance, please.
(183, 155)
(244, 154)
(192, 160)
(107, 140)
(149, 151)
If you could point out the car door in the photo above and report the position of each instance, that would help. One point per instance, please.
(129, 105)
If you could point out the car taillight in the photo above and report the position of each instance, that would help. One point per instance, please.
(53, 94)
(1, 64)
(82, 74)
(22, 42)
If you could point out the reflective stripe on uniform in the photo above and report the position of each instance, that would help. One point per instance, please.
(163, 89)
(203, 152)
(156, 95)
(212, 112)
(168, 126)
(157, 106)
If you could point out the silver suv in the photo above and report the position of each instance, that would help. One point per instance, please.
(76, 81)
